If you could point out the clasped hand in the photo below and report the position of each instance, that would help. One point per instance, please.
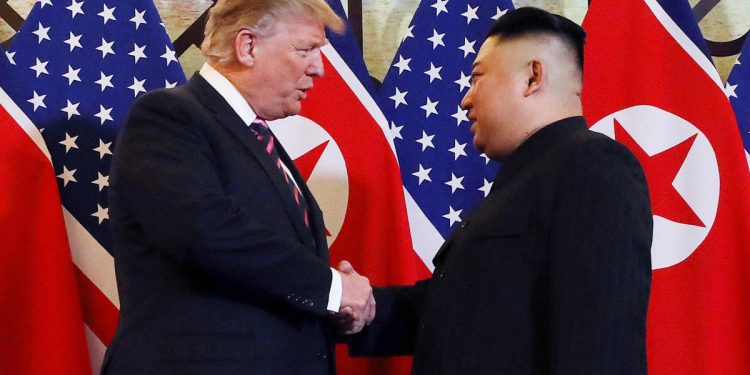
(357, 302)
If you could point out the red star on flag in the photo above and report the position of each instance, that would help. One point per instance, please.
(661, 170)
(306, 164)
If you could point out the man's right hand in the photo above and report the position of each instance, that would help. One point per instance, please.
(357, 302)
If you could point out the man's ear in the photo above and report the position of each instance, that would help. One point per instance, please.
(244, 47)
(536, 71)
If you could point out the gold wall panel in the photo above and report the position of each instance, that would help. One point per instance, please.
(385, 21)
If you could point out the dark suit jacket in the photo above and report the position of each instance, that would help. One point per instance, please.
(549, 275)
(216, 270)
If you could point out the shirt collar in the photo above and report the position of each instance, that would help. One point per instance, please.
(230, 93)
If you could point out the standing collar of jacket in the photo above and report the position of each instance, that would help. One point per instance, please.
(539, 143)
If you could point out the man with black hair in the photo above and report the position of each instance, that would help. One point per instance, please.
(551, 272)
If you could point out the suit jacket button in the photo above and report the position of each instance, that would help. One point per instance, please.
(442, 275)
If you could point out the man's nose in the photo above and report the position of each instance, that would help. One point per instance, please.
(315, 69)
(466, 101)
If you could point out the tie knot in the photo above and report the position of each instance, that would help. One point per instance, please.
(260, 126)
(260, 122)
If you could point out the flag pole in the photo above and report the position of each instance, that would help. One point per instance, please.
(355, 19)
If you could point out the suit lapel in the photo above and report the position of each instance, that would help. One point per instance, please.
(229, 119)
(443, 250)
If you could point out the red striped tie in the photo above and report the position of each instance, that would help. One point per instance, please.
(261, 130)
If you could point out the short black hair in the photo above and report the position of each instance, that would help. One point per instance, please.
(530, 21)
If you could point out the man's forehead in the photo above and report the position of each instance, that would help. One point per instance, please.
(300, 29)
(498, 46)
(292, 20)
(489, 47)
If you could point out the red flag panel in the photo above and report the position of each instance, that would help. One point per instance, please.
(42, 330)
(374, 235)
(647, 87)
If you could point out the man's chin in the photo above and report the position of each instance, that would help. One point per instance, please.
(288, 110)
(293, 111)
(479, 146)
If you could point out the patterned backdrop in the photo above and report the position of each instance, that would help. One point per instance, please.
(723, 22)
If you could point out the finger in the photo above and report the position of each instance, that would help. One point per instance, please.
(368, 307)
(358, 327)
(370, 315)
(345, 323)
(362, 315)
(372, 308)
(351, 327)
(355, 328)
(346, 312)
(345, 267)
(358, 316)
(346, 329)
(344, 320)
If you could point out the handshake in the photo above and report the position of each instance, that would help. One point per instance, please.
(357, 302)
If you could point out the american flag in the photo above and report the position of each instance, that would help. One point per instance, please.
(737, 89)
(422, 90)
(74, 69)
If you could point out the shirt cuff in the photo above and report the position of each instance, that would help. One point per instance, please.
(334, 296)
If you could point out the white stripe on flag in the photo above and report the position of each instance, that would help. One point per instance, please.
(685, 42)
(425, 239)
(91, 258)
(24, 122)
(96, 350)
(362, 94)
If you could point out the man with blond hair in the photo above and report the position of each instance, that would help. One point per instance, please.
(220, 248)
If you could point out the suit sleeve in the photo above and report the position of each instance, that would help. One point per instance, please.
(394, 329)
(600, 264)
(164, 175)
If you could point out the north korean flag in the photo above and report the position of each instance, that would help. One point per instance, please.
(648, 86)
(342, 145)
(43, 329)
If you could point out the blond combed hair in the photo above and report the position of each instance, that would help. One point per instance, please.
(228, 17)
